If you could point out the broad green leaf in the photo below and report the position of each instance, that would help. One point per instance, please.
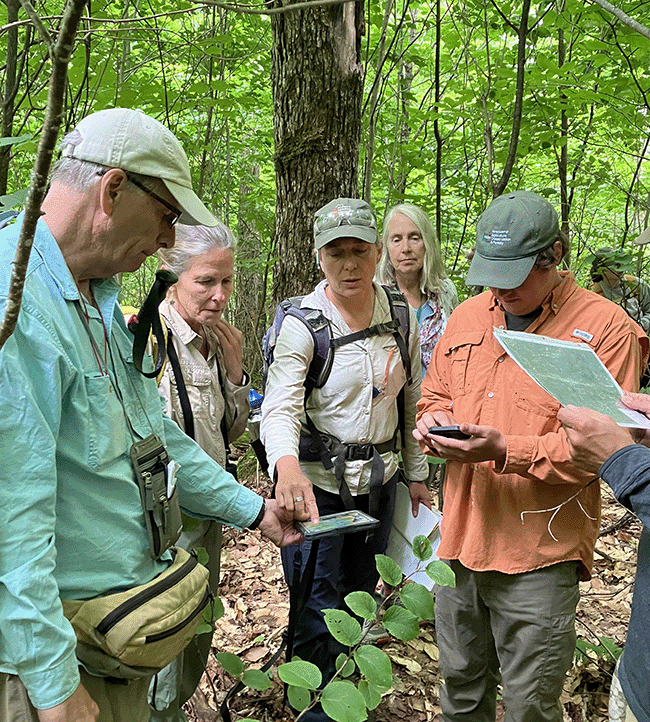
(300, 674)
(441, 574)
(422, 548)
(388, 570)
(362, 604)
(256, 679)
(17, 139)
(202, 555)
(231, 663)
(345, 665)
(217, 609)
(190, 523)
(14, 199)
(370, 694)
(401, 623)
(417, 599)
(374, 665)
(299, 697)
(343, 702)
(204, 628)
(344, 628)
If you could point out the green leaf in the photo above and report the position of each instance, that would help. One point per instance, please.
(343, 702)
(299, 697)
(17, 139)
(204, 628)
(401, 623)
(422, 548)
(344, 628)
(441, 574)
(388, 570)
(362, 604)
(300, 674)
(217, 609)
(14, 199)
(371, 695)
(190, 523)
(375, 666)
(256, 679)
(231, 663)
(417, 599)
(202, 555)
(345, 665)
(611, 648)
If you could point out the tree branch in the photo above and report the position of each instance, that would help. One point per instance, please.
(519, 101)
(38, 23)
(626, 19)
(60, 53)
(258, 9)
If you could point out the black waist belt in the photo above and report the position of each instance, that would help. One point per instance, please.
(310, 450)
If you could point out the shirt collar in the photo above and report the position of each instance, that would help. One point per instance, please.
(556, 298)
(186, 334)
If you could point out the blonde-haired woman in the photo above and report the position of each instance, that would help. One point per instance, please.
(411, 261)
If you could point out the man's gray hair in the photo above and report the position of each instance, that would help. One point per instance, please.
(80, 175)
(192, 242)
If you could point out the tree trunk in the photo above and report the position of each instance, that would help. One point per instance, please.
(317, 84)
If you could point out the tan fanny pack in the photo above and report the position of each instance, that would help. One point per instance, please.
(149, 625)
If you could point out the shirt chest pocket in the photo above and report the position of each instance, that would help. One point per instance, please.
(106, 427)
(463, 352)
(198, 385)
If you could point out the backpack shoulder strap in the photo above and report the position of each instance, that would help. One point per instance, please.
(321, 333)
(399, 309)
(186, 408)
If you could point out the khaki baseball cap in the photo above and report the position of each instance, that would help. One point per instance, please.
(510, 233)
(644, 238)
(131, 140)
(344, 218)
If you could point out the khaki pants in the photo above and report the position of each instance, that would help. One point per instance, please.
(116, 702)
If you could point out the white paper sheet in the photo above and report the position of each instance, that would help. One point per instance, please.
(405, 529)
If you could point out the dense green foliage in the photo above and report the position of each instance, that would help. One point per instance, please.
(205, 72)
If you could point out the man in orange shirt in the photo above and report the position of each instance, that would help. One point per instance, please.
(511, 616)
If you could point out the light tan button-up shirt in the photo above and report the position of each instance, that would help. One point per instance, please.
(203, 388)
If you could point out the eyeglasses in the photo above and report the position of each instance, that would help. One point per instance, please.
(177, 213)
(345, 215)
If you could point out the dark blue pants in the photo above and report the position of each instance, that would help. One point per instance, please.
(345, 563)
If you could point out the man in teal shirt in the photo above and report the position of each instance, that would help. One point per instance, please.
(71, 519)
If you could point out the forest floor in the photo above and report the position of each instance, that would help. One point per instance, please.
(254, 595)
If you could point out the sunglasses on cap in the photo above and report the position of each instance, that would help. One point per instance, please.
(344, 215)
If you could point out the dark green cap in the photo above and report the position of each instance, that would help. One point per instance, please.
(510, 233)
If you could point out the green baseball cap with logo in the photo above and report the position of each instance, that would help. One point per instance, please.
(344, 218)
(510, 233)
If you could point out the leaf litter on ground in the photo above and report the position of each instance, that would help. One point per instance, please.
(255, 600)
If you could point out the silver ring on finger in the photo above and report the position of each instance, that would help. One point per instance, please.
(298, 498)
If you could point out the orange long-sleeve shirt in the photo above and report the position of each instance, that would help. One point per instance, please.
(473, 379)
